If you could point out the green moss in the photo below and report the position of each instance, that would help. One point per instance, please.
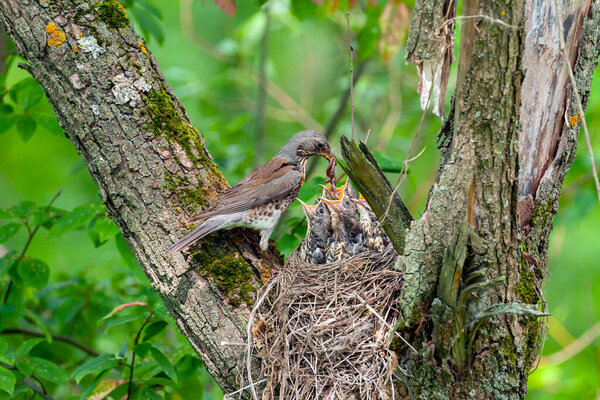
(188, 197)
(231, 273)
(113, 14)
(167, 123)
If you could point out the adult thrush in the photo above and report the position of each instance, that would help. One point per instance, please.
(318, 219)
(258, 200)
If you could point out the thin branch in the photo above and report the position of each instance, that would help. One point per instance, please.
(29, 382)
(337, 115)
(574, 348)
(351, 74)
(260, 102)
(577, 96)
(135, 342)
(29, 239)
(60, 338)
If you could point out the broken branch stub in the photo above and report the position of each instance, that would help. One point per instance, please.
(364, 172)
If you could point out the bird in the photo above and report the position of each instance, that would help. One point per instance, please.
(374, 236)
(340, 245)
(349, 190)
(313, 246)
(259, 199)
(346, 210)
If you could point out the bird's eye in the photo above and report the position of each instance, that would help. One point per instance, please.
(347, 203)
(321, 211)
(320, 145)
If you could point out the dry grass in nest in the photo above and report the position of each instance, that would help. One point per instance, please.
(322, 331)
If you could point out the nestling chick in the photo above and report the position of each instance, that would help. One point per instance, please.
(374, 236)
(314, 245)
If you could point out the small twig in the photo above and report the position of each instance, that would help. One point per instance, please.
(244, 388)
(351, 74)
(374, 312)
(486, 17)
(29, 239)
(135, 342)
(60, 338)
(577, 97)
(404, 170)
(30, 383)
(260, 101)
(574, 348)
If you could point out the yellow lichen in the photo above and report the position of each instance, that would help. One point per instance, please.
(75, 49)
(57, 37)
(574, 119)
(144, 50)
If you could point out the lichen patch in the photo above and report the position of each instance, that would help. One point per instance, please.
(57, 37)
(89, 44)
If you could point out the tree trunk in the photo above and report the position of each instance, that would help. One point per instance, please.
(509, 110)
(150, 165)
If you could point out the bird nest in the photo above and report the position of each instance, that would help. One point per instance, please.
(322, 331)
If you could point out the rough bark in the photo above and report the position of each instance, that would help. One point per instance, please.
(150, 164)
(471, 220)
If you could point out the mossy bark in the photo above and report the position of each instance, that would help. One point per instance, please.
(477, 193)
(150, 164)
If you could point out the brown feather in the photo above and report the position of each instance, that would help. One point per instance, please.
(272, 181)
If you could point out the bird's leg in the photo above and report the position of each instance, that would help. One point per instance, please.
(265, 234)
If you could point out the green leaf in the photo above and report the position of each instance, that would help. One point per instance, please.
(153, 329)
(101, 229)
(100, 363)
(119, 321)
(126, 253)
(40, 323)
(9, 230)
(7, 261)
(164, 363)
(149, 393)
(27, 93)
(45, 217)
(26, 127)
(142, 349)
(3, 346)
(92, 386)
(25, 347)
(7, 381)
(48, 370)
(369, 34)
(24, 366)
(23, 209)
(50, 124)
(34, 272)
(77, 218)
(387, 163)
(7, 118)
(149, 25)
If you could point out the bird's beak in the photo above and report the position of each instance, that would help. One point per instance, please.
(327, 156)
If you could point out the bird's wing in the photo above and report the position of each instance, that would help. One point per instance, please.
(271, 181)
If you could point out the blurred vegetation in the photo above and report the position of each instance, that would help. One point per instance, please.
(68, 267)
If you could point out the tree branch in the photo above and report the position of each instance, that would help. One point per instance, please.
(151, 167)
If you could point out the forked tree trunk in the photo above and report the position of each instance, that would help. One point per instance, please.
(512, 96)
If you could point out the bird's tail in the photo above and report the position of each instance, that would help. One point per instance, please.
(208, 226)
